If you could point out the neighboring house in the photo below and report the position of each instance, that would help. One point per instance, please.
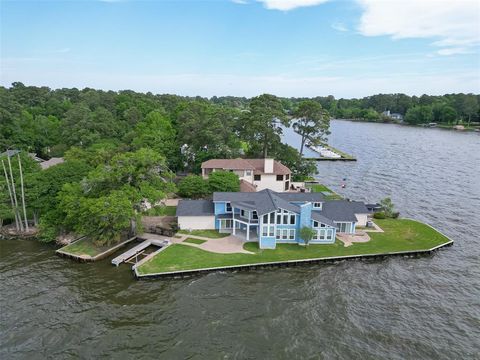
(271, 217)
(261, 173)
(52, 162)
(11, 153)
(393, 116)
(44, 164)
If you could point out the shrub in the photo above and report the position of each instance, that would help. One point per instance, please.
(307, 234)
(193, 186)
(223, 181)
(395, 215)
(379, 215)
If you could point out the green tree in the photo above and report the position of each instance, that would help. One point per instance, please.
(109, 199)
(193, 187)
(312, 122)
(223, 181)
(388, 207)
(470, 106)
(419, 115)
(301, 168)
(157, 133)
(260, 125)
(307, 234)
(206, 131)
(43, 187)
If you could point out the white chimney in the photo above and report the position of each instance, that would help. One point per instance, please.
(268, 166)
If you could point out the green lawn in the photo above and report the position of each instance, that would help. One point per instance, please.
(400, 235)
(84, 247)
(322, 188)
(212, 234)
(195, 241)
(162, 211)
(319, 188)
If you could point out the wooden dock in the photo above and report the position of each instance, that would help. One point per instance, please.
(139, 250)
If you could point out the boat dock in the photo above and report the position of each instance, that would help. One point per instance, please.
(328, 152)
(131, 256)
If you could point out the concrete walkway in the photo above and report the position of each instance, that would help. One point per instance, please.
(349, 239)
(227, 245)
(376, 228)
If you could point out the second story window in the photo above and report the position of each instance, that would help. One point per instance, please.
(248, 172)
(317, 205)
(228, 207)
(257, 177)
(279, 177)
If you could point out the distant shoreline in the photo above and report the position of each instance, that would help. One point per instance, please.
(438, 126)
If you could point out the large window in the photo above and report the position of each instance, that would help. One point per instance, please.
(285, 234)
(257, 177)
(344, 227)
(285, 217)
(279, 177)
(268, 230)
(228, 207)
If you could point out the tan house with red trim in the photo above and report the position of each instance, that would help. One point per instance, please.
(254, 174)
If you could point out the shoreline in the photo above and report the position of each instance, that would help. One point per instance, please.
(436, 240)
(288, 263)
(439, 126)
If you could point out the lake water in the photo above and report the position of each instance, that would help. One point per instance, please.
(397, 308)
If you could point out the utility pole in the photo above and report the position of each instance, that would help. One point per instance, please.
(11, 196)
(23, 192)
(14, 193)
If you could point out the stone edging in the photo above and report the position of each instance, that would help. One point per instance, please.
(182, 273)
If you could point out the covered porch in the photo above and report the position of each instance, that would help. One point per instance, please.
(247, 232)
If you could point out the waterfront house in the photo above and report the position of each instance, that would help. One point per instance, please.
(271, 217)
(393, 116)
(254, 174)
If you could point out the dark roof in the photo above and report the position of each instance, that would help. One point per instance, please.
(302, 197)
(343, 210)
(267, 201)
(264, 201)
(195, 208)
(319, 217)
(10, 153)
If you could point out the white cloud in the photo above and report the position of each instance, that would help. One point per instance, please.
(339, 26)
(241, 2)
(286, 5)
(456, 23)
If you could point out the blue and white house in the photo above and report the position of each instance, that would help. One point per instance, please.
(271, 217)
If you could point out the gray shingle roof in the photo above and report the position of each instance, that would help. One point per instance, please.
(301, 197)
(343, 210)
(195, 208)
(319, 217)
(264, 201)
(267, 201)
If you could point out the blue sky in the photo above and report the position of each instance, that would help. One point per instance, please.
(244, 47)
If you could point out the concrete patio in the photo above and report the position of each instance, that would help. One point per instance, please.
(227, 245)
